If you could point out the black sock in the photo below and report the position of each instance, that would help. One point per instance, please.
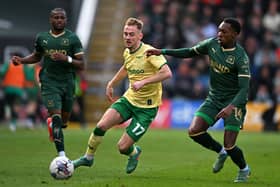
(57, 133)
(237, 157)
(207, 141)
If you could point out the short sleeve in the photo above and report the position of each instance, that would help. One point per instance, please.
(157, 61)
(243, 66)
(202, 47)
(77, 45)
(37, 44)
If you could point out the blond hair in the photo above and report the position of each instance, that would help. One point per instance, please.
(134, 21)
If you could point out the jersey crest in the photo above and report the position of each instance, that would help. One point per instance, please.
(230, 59)
(65, 42)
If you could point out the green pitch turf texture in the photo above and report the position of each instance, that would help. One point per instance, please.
(169, 159)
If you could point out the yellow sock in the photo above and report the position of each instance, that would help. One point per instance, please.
(93, 143)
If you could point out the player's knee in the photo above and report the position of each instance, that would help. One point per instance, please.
(191, 131)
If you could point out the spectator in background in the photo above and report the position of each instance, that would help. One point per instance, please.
(13, 83)
(190, 31)
(78, 113)
(251, 46)
(265, 77)
(271, 19)
(183, 81)
(268, 115)
(263, 95)
(255, 27)
(31, 86)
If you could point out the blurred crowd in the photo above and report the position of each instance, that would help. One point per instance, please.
(183, 23)
(20, 98)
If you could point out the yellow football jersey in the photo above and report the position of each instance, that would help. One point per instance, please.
(139, 67)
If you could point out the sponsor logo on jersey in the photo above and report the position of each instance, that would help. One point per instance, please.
(135, 71)
(51, 51)
(219, 68)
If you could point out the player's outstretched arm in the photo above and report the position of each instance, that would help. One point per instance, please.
(178, 53)
(30, 59)
(151, 52)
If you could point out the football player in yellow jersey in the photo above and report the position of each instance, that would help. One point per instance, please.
(139, 103)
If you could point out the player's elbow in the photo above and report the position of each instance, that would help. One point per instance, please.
(168, 74)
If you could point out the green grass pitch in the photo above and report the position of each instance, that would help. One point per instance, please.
(169, 159)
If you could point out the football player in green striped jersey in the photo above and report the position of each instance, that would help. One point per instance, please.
(62, 54)
(228, 90)
(139, 103)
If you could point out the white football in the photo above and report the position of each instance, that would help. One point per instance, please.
(61, 167)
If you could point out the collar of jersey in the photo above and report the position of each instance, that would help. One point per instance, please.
(56, 35)
(136, 49)
(230, 49)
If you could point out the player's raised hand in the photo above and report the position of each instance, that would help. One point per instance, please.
(150, 52)
(16, 60)
(109, 93)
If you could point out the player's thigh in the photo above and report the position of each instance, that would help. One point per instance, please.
(51, 96)
(124, 108)
(68, 97)
(207, 111)
(235, 121)
(141, 120)
(198, 125)
(52, 101)
(109, 119)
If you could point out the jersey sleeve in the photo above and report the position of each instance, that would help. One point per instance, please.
(202, 47)
(157, 61)
(243, 67)
(243, 81)
(77, 45)
(37, 44)
(199, 49)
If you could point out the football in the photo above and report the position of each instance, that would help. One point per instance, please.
(61, 168)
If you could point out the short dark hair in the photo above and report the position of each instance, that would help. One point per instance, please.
(55, 10)
(234, 23)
